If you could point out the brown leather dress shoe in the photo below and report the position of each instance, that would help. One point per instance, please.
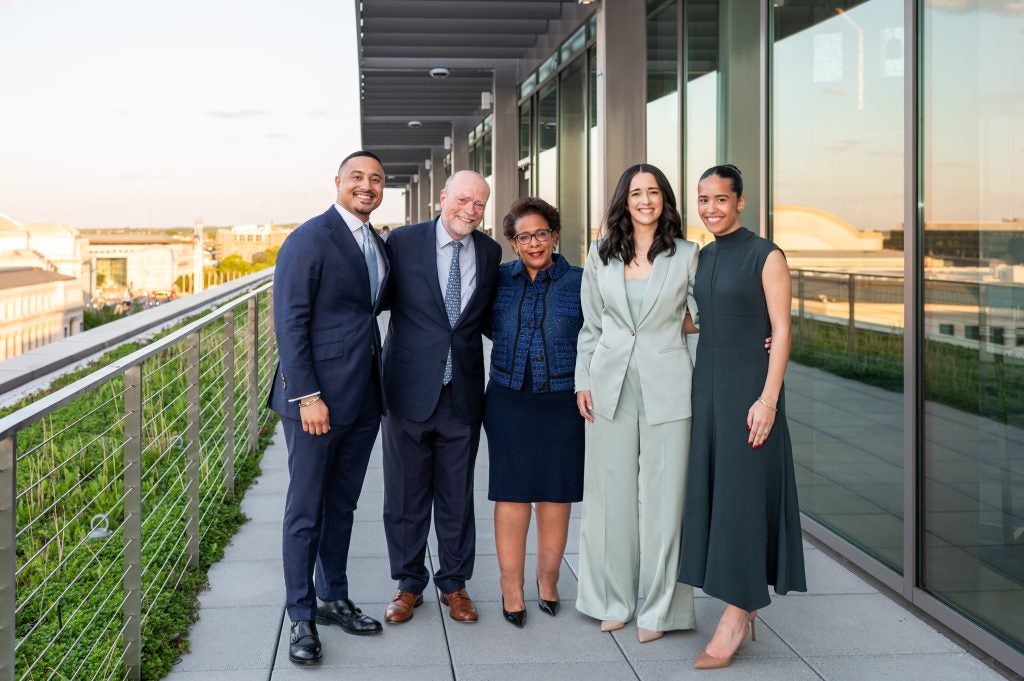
(460, 606)
(401, 606)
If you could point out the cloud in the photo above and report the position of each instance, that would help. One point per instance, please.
(236, 113)
(275, 135)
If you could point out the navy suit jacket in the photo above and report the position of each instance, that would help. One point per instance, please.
(324, 320)
(419, 333)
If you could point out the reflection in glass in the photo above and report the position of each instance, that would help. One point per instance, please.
(662, 91)
(596, 208)
(547, 143)
(701, 49)
(973, 247)
(572, 168)
(837, 212)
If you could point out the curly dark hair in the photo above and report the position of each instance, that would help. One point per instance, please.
(530, 205)
(618, 227)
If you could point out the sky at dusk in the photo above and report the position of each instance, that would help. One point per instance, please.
(148, 112)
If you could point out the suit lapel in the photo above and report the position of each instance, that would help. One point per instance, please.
(342, 237)
(428, 257)
(387, 268)
(617, 287)
(659, 272)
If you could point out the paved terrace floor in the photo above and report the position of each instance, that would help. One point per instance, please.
(843, 629)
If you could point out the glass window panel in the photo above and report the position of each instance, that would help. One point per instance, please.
(702, 83)
(663, 148)
(574, 43)
(572, 166)
(837, 191)
(528, 86)
(973, 248)
(547, 143)
(595, 215)
(549, 66)
(524, 130)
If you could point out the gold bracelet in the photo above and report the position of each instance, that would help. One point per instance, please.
(309, 403)
(766, 404)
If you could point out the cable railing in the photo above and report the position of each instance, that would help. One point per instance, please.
(110, 488)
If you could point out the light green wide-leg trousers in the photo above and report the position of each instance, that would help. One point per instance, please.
(633, 489)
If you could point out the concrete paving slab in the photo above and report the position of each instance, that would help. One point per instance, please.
(608, 670)
(420, 641)
(743, 668)
(259, 541)
(863, 624)
(249, 646)
(239, 583)
(390, 673)
(263, 508)
(826, 576)
(686, 645)
(933, 667)
(219, 675)
(569, 637)
(486, 584)
(368, 539)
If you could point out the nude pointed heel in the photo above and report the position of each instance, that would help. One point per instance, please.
(706, 661)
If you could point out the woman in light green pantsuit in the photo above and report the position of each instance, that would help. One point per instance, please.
(633, 375)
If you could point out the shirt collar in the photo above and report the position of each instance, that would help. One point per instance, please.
(351, 221)
(444, 238)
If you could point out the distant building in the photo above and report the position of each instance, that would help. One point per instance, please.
(37, 306)
(49, 246)
(125, 265)
(248, 240)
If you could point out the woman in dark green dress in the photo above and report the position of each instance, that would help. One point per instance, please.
(741, 529)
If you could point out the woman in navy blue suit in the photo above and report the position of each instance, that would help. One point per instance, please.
(534, 431)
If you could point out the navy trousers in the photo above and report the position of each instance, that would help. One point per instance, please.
(429, 466)
(326, 476)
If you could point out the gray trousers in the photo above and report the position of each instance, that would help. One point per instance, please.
(633, 490)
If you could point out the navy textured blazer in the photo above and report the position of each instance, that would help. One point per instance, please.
(325, 323)
(539, 319)
(419, 333)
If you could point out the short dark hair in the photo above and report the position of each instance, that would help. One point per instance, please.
(618, 226)
(729, 172)
(530, 205)
(357, 154)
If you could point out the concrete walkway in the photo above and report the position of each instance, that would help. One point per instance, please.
(843, 629)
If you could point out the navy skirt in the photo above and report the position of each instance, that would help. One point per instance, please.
(535, 442)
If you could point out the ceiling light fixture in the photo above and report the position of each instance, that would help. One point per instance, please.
(439, 72)
(415, 124)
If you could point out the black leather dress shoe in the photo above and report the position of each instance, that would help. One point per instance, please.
(550, 607)
(304, 643)
(348, 616)
(518, 618)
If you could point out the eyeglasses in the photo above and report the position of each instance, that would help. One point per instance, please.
(541, 235)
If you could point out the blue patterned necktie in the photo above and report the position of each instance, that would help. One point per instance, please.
(370, 255)
(453, 302)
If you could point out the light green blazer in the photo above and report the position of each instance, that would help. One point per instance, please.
(609, 336)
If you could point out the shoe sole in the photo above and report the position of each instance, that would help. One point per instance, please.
(299, 661)
(355, 632)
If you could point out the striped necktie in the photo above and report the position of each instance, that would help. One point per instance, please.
(453, 302)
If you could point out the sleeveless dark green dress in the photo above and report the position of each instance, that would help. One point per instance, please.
(741, 524)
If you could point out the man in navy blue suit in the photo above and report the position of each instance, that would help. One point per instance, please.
(327, 388)
(445, 277)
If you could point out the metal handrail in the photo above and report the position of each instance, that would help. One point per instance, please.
(84, 603)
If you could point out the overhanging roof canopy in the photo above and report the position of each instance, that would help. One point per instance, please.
(402, 40)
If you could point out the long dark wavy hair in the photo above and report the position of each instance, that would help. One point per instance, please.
(618, 227)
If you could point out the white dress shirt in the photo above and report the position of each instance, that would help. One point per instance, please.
(467, 263)
(356, 225)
